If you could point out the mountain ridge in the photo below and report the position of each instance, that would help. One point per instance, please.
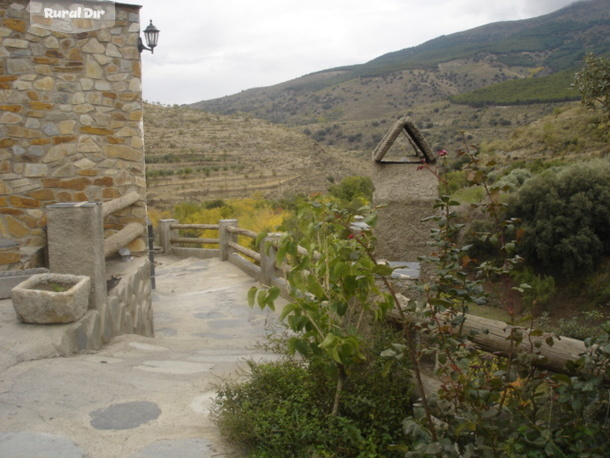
(504, 50)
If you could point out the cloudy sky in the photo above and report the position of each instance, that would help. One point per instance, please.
(212, 48)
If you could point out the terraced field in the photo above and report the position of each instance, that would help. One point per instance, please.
(193, 156)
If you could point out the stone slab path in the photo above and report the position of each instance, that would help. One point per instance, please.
(138, 396)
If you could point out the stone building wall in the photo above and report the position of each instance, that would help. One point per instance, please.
(71, 125)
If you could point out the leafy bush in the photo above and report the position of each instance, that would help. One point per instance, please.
(593, 82)
(283, 409)
(351, 188)
(566, 218)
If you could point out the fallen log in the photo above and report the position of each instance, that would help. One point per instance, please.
(496, 337)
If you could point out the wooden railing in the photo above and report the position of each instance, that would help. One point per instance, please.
(132, 231)
(257, 263)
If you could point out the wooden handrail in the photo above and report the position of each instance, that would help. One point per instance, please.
(195, 240)
(240, 231)
(246, 251)
(113, 206)
(114, 242)
(195, 226)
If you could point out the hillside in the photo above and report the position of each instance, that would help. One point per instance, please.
(345, 106)
(193, 156)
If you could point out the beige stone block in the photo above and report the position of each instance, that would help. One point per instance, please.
(59, 152)
(86, 120)
(43, 70)
(9, 257)
(66, 127)
(39, 32)
(132, 106)
(103, 35)
(16, 228)
(123, 178)
(21, 85)
(4, 52)
(15, 43)
(113, 51)
(84, 108)
(126, 132)
(17, 131)
(93, 46)
(137, 142)
(120, 86)
(10, 118)
(103, 120)
(123, 152)
(87, 145)
(78, 98)
(51, 42)
(96, 130)
(64, 171)
(45, 84)
(102, 59)
(140, 182)
(4, 188)
(136, 115)
(17, 25)
(103, 86)
(95, 98)
(35, 170)
(84, 163)
(135, 85)
(93, 70)
(86, 84)
(131, 52)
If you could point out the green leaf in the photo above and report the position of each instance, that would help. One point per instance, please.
(328, 341)
(288, 309)
(252, 296)
(383, 270)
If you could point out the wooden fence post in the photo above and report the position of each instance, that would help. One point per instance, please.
(268, 252)
(166, 234)
(225, 237)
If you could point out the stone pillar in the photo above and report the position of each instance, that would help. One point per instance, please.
(268, 252)
(166, 233)
(225, 237)
(76, 244)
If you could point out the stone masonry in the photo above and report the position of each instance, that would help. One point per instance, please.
(70, 125)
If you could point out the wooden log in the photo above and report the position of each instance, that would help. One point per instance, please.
(494, 336)
(120, 203)
(240, 231)
(388, 140)
(246, 251)
(195, 240)
(202, 227)
(113, 243)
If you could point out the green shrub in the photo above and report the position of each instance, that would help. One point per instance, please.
(566, 218)
(283, 409)
(352, 188)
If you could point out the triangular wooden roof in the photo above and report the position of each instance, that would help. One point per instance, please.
(414, 136)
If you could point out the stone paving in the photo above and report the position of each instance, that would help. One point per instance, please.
(139, 396)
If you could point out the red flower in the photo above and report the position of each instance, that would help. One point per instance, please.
(442, 153)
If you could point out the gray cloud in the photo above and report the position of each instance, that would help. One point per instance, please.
(219, 47)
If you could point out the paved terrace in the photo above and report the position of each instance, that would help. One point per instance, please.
(138, 396)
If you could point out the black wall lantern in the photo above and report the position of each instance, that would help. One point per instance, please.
(151, 33)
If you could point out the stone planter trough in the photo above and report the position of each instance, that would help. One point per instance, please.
(51, 298)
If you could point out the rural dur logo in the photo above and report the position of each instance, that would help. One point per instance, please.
(72, 17)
